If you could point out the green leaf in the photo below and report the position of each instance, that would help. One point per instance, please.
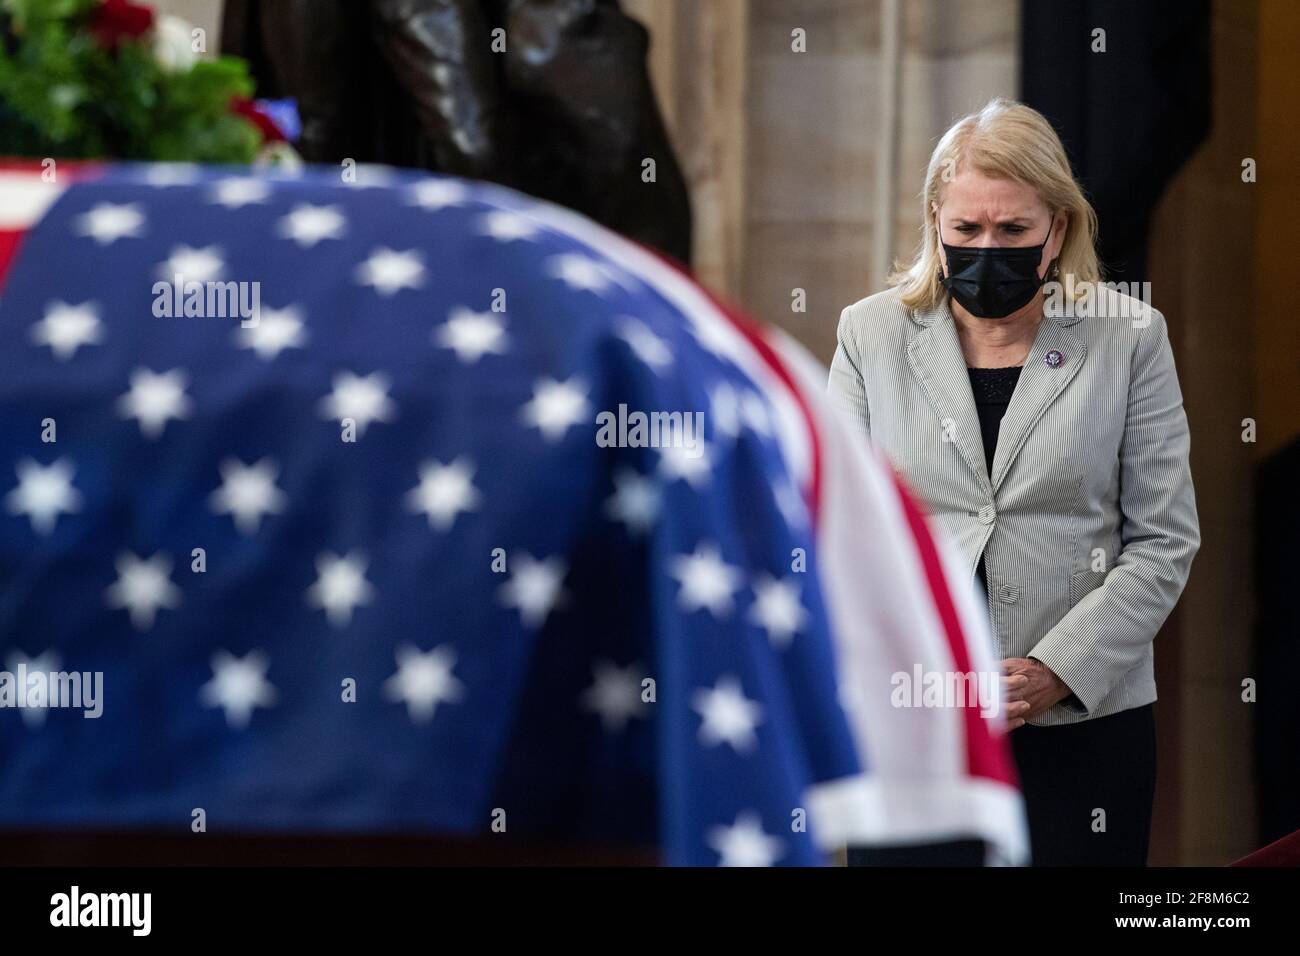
(61, 94)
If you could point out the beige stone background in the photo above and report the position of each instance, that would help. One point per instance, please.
(783, 148)
(201, 13)
(793, 187)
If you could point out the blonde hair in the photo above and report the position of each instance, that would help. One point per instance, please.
(1005, 140)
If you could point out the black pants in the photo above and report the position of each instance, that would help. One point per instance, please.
(1088, 791)
(1088, 788)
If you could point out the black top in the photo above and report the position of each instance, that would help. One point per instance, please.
(992, 388)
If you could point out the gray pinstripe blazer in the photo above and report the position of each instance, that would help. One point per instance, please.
(1088, 526)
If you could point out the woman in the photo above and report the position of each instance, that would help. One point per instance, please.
(1038, 416)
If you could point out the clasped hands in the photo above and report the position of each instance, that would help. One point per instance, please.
(1029, 687)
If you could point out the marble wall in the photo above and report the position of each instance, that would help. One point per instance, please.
(793, 178)
(816, 138)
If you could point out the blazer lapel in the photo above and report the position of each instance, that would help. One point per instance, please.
(1038, 387)
(937, 362)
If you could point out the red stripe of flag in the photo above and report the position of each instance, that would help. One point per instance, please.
(986, 754)
(10, 239)
(66, 171)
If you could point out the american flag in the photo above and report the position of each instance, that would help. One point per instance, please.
(362, 565)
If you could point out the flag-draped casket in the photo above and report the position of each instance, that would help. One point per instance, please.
(419, 506)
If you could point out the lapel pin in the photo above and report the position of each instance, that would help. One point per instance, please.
(1053, 359)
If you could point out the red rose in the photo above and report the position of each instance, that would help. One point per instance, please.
(116, 20)
(243, 107)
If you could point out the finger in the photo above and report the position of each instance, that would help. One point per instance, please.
(1016, 709)
(1016, 691)
(1016, 682)
(1013, 724)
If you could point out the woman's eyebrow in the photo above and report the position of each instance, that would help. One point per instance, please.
(1008, 221)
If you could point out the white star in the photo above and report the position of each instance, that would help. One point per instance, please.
(248, 492)
(340, 587)
(308, 224)
(143, 587)
(275, 331)
(534, 588)
(507, 226)
(707, 582)
(580, 272)
(65, 328)
(43, 493)
(372, 176)
(690, 464)
(791, 503)
(778, 609)
(154, 398)
(615, 695)
(434, 194)
(745, 843)
(443, 492)
(424, 680)
(364, 400)
(556, 406)
(108, 222)
(647, 346)
(389, 271)
(714, 337)
(472, 334)
(851, 695)
(47, 663)
(728, 716)
(238, 685)
(724, 409)
(193, 265)
(171, 174)
(754, 411)
(240, 191)
(636, 501)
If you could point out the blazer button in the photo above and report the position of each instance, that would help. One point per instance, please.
(987, 514)
(1008, 593)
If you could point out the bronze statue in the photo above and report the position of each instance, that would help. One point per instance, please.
(559, 105)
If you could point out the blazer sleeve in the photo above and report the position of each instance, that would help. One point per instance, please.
(1104, 636)
(847, 386)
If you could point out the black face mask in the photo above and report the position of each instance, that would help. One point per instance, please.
(993, 281)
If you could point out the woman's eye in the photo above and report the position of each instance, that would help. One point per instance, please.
(1015, 230)
(967, 230)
